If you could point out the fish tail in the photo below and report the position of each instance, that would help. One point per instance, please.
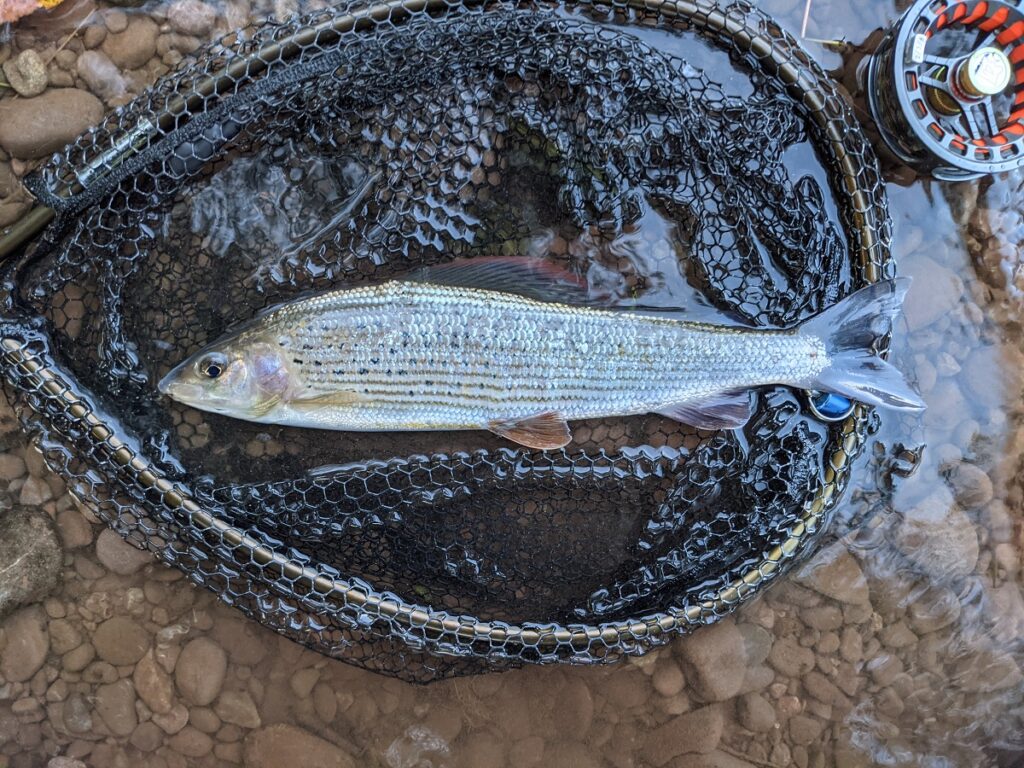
(849, 329)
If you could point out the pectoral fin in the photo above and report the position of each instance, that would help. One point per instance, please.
(725, 410)
(325, 400)
(545, 431)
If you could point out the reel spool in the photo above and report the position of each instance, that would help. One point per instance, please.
(946, 87)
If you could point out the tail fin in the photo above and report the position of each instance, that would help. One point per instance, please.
(848, 330)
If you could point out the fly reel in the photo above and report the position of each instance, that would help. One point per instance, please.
(946, 87)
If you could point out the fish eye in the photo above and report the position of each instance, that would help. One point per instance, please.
(212, 366)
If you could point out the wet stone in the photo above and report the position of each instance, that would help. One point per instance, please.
(78, 659)
(835, 573)
(200, 670)
(938, 537)
(173, 720)
(120, 641)
(27, 643)
(147, 737)
(278, 745)
(134, 46)
(897, 635)
(755, 713)
(75, 530)
(118, 555)
(34, 492)
(822, 617)
(804, 730)
(31, 558)
(26, 73)
(191, 742)
(77, 714)
(238, 708)
(716, 657)
(972, 488)
(153, 684)
(790, 658)
(32, 128)
(697, 731)
(115, 704)
(64, 636)
(102, 76)
(191, 17)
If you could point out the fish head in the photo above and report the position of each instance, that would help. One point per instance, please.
(241, 378)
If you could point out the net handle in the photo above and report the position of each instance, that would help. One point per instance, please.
(774, 51)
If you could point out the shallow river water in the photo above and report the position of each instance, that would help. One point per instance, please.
(900, 643)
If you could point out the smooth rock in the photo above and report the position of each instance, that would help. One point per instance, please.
(36, 127)
(835, 573)
(756, 640)
(35, 491)
(717, 658)
(115, 704)
(988, 671)
(938, 537)
(120, 641)
(26, 73)
(697, 731)
(200, 671)
(481, 749)
(118, 555)
(27, 644)
(173, 720)
(245, 641)
(75, 530)
(191, 17)
(191, 742)
(755, 713)
(238, 708)
(65, 762)
(279, 745)
(102, 75)
(64, 636)
(31, 558)
(134, 46)
(804, 730)
(77, 715)
(153, 684)
(147, 737)
(668, 679)
(972, 488)
(78, 658)
(789, 658)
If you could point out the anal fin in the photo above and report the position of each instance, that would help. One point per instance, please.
(545, 431)
(725, 410)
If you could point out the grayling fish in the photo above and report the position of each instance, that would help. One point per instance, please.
(473, 346)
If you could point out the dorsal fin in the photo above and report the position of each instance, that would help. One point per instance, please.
(533, 278)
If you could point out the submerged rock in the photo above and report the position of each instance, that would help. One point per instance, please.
(717, 658)
(26, 73)
(32, 128)
(27, 644)
(938, 537)
(835, 573)
(31, 558)
(120, 641)
(279, 745)
(118, 555)
(200, 671)
(102, 75)
(134, 46)
(697, 731)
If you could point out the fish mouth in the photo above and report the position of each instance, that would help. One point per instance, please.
(180, 391)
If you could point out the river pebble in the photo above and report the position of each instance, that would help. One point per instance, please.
(938, 537)
(36, 127)
(27, 643)
(133, 46)
(26, 73)
(277, 745)
(115, 704)
(153, 684)
(835, 573)
(755, 713)
(102, 76)
(697, 731)
(31, 558)
(118, 555)
(120, 641)
(238, 708)
(191, 17)
(716, 658)
(200, 670)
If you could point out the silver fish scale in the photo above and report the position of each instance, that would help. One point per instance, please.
(437, 357)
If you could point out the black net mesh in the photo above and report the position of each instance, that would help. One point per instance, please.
(365, 140)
